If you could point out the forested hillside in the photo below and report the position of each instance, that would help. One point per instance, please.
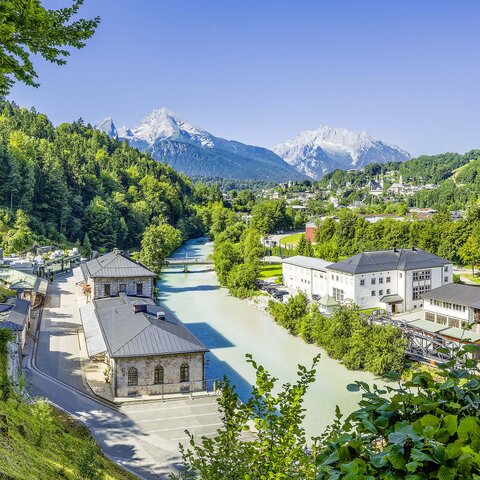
(75, 184)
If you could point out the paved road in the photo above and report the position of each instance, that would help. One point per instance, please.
(144, 436)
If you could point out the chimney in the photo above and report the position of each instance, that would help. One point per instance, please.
(414, 249)
(395, 250)
(139, 307)
(161, 316)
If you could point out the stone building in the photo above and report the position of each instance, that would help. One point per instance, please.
(114, 273)
(147, 351)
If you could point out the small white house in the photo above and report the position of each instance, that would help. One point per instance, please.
(454, 305)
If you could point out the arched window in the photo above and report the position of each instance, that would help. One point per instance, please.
(132, 377)
(184, 372)
(158, 375)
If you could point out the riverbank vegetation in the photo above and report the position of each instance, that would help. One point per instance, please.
(237, 252)
(346, 335)
(427, 427)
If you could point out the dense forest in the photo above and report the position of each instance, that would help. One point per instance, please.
(73, 184)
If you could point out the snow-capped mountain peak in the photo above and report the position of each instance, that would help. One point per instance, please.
(196, 152)
(315, 152)
(107, 126)
(162, 124)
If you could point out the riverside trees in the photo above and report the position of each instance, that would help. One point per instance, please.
(346, 335)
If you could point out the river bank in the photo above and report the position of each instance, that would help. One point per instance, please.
(231, 328)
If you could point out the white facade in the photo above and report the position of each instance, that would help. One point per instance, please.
(454, 305)
(305, 274)
(395, 289)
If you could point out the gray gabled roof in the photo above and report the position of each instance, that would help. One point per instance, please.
(307, 262)
(130, 334)
(114, 265)
(383, 260)
(14, 314)
(468, 295)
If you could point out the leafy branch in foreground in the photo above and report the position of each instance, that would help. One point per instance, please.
(277, 449)
(425, 428)
(26, 28)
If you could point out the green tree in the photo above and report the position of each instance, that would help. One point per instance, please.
(241, 279)
(87, 247)
(225, 256)
(469, 252)
(278, 448)
(27, 28)
(158, 242)
(20, 236)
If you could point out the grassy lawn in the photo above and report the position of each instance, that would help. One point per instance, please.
(470, 277)
(291, 239)
(270, 270)
(22, 458)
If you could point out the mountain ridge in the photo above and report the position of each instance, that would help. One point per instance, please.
(196, 152)
(317, 152)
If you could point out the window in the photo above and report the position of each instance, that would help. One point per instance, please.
(139, 288)
(400, 275)
(107, 290)
(388, 291)
(338, 294)
(373, 293)
(387, 279)
(419, 291)
(362, 283)
(132, 377)
(158, 375)
(337, 278)
(446, 268)
(380, 280)
(442, 319)
(430, 316)
(421, 275)
(380, 292)
(453, 322)
(122, 287)
(373, 281)
(445, 279)
(184, 372)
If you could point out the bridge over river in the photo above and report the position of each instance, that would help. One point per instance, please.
(186, 261)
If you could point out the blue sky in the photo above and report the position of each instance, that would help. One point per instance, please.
(260, 71)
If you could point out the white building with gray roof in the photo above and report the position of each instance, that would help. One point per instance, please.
(115, 273)
(148, 350)
(454, 305)
(394, 280)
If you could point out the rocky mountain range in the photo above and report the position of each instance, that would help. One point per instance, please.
(316, 152)
(198, 153)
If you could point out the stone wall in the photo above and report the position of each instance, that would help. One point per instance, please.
(146, 367)
(98, 286)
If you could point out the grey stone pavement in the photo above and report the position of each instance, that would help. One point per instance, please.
(141, 436)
